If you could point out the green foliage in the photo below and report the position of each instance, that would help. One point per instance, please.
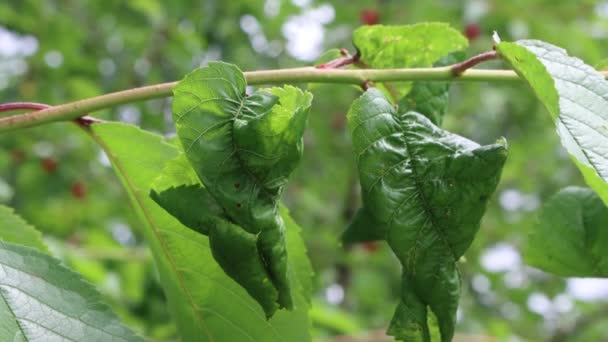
(431, 98)
(418, 45)
(243, 148)
(40, 299)
(197, 288)
(424, 191)
(575, 95)
(96, 47)
(570, 237)
(15, 230)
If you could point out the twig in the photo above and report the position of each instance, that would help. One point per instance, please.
(340, 62)
(459, 68)
(82, 121)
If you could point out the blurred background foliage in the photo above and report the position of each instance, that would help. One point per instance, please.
(57, 51)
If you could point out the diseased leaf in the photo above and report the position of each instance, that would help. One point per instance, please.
(431, 98)
(570, 237)
(243, 149)
(178, 202)
(424, 190)
(406, 46)
(15, 230)
(576, 95)
(196, 286)
(41, 300)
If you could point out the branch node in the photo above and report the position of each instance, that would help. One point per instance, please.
(86, 121)
(366, 85)
(346, 60)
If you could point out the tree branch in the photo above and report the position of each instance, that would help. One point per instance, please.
(73, 110)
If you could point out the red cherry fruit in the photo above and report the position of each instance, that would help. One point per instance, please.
(79, 190)
(48, 164)
(472, 31)
(369, 16)
(370, 246)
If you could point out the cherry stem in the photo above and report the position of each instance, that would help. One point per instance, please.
(459, 68)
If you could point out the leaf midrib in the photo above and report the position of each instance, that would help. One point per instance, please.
(424, 200)
(147, 215)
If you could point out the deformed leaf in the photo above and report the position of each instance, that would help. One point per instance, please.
(177, 168)
(243, 148)
(407, 46)
(424, 190)
(41, 300)
(576, 95)
(178, 201)
(571, 235)
(196, 286)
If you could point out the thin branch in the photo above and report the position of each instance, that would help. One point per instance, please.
(73, 110)
(83, 121)
(459, 68)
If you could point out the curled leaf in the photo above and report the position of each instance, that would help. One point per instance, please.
(424, 191)
(243, 149)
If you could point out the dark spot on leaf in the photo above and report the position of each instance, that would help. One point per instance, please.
(238, 205)
(237, 185)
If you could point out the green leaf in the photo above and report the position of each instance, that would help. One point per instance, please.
(206, 304)
(426, 191)
(406, 46)
(243, 148)
(15, 230)
(576, 95)
(570, 237)
(180, 201)
(41, 300)
(431, 98)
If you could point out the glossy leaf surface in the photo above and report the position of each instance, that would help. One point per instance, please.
(424, 190)
(243, 149)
